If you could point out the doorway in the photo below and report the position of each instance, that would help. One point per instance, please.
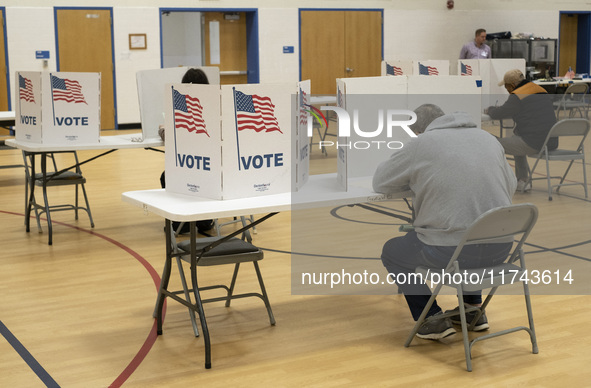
(85, 43)
(4, 74)
(226, 38)
(339, 44)
(574, 42)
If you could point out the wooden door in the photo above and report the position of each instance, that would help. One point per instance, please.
(85, 45)
(322, 37)
(339, 44)
(568, 43)
(363, 48)
(232, 46)
(3, 69)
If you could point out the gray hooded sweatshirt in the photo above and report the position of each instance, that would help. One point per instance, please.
(456, 172)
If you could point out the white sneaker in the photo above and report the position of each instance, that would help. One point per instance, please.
(523, 187)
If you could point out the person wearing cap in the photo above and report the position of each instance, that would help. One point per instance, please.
(476, 49)
(530, 107)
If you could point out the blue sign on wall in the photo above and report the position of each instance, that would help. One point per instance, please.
(42, 54)
(287, 49)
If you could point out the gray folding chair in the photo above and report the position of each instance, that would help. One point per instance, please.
(492, 226)
(574, 100)
(569, 128)
(52, 179)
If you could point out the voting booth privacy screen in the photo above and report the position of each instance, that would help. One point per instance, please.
(233, 141)
(150, 84)
(58, 107)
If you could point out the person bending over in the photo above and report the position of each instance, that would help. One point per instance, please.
(531, 108)
(456, 172)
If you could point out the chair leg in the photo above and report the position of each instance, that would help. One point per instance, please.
(464, 325)
(548, 178)
(421, 319)
(179, 264)
(232, 285)
(87, 205)
(264, 293)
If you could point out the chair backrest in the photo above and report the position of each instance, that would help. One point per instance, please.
(569, 127)
(498, 224)
(579, 88)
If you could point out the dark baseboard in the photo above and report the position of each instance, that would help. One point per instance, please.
(130, 126)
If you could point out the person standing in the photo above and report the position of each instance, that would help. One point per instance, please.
(476, 49)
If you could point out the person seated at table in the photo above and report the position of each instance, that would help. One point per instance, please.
(191, 76)
(531, 108)
(456, 172)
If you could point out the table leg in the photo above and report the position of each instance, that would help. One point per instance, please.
(165, 278)
(31, 185)
(198, 302)
(47, 212)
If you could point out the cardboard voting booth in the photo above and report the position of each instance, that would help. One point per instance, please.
(491, 71)
(150, 84)
(58, 107)
(233, 141)
(379, 112)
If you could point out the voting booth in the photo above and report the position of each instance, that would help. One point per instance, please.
(150, 84)
(58, 107)
(491, 71)
(233, 141)
(377, 112)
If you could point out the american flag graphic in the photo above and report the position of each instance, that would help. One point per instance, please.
(25, 88)
(303, 110)
(427, 70)
(188, 113)
(66, 90)
(255, 112)
(465, 69)
(393, 70)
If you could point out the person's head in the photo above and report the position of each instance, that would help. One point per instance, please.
(480, 36)
(195, 76)
(511, 79)
(426, 113)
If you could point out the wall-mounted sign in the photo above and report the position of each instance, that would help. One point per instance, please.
(137, 42)
(42, 54)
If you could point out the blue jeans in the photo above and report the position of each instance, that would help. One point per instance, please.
(401, 255)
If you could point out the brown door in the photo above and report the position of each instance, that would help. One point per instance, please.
(339, 44)
(568, 43)
(232, 45)
(84, 44)
(3, 70)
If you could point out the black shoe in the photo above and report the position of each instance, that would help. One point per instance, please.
(435, 328)
(481, 324)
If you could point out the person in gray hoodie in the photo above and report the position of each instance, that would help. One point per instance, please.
(456, 172)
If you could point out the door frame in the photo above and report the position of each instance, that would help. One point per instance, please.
(252, 36)
(381, 10)
(5, 53)
(583, 40)
(57, 51)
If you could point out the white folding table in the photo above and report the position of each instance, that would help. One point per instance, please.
(109, 143)
(319, 191)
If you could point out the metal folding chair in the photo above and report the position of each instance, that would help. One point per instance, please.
(569, 128)
(493, 226)
(54, 178)
(574, 100)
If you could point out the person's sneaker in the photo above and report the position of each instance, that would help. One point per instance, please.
(435, 328)
(523, 186)
(481, 324)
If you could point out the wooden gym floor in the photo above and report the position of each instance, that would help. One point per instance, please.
(79, 313)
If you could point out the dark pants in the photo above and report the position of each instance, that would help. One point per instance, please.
(401, 255)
